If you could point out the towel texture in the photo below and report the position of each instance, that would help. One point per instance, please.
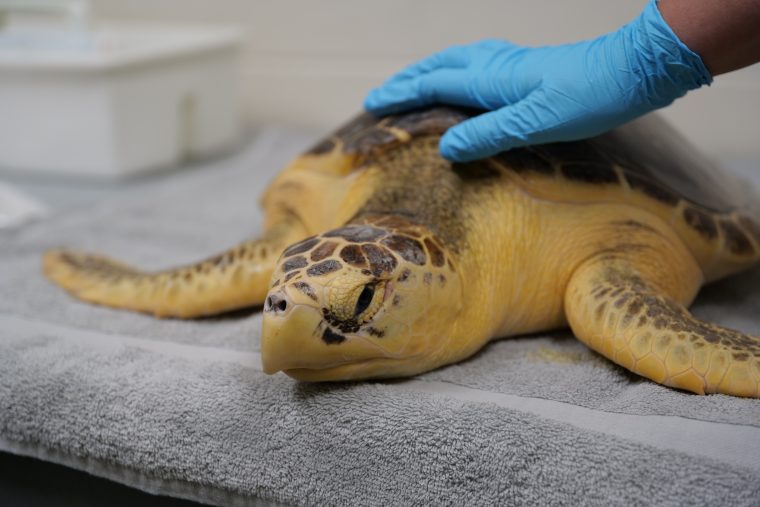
(182, 408)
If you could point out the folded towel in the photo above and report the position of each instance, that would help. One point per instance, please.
(17, 208)
(182, 407)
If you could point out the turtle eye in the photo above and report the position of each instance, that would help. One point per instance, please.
(365, 298)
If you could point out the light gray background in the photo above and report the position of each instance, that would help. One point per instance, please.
(311, 63)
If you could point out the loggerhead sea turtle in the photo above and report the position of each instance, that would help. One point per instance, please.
(381, 259)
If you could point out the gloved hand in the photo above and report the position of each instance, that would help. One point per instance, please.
(547, 94)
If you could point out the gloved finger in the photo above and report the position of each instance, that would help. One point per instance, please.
(393, 94)
(526, 122)
(392, 98)
(445, 85)
(453, 57)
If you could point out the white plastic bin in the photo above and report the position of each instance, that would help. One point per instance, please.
(115, 100)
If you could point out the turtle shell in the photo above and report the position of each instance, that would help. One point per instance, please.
(655, 160)
(654, 157)
(645, 157)
(366, 134)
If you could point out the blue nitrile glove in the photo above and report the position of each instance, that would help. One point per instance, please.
(547, 94)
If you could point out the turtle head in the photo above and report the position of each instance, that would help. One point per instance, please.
(360, 302)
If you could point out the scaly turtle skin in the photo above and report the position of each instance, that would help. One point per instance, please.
(381, 259)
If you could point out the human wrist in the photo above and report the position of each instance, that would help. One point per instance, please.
(667, 67)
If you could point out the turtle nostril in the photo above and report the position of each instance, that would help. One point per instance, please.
(275, 303)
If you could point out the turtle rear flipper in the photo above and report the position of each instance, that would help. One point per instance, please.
(236, 278)
(628, 304)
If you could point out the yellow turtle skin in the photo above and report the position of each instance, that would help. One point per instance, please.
(381, 259)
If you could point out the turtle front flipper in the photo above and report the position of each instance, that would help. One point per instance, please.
(236, 278)
(629, 304)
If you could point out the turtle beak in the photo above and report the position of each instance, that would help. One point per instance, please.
(288, 333)
(295, 338)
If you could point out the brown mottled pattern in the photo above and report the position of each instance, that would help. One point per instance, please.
(633, 224)
(360, 123)
(391, 222)
(356, 233)
(360, 135)
(409, 249)
(735, 239)
(322, 147)
(600, 309)
(622, 248)
(654, 158)
(291, 275)
(703, 222)
(631, 297)
(323, 251)
(589, 172)
(346, 325)
(353, 256)
(418, 183)
(306, 289)
(652, 189)
(294, 263)
(324, 268)
(374, 138)
(437, 258)
(481, 171)
(622, 300)
(524, 160)
(300, 247)
(429, 121)
(600, 292)
(381, 261)
(221, 261)
(330, 337)
(101, 265)
(569, 152)
(633, 309)
(655, 152)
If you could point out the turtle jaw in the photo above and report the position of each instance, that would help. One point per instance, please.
(356, 370)
(296, 340)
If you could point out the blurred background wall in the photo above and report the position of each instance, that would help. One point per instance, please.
(310, 63)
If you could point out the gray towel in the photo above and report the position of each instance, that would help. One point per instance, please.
(182, 408)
